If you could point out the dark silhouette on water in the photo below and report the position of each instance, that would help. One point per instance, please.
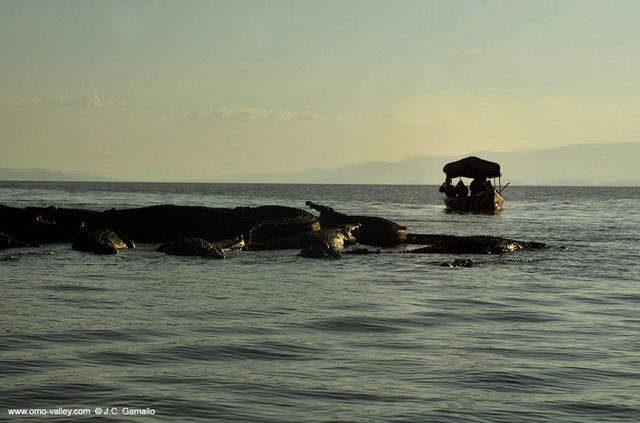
(461, 189)
(208, 232)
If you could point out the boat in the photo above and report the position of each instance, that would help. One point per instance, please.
(485, 200)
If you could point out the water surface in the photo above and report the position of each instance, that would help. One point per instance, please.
(271, 337)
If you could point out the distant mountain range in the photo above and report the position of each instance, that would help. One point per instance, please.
(38, 174)
(581, 164)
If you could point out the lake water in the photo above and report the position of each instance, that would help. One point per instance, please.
(266, 336)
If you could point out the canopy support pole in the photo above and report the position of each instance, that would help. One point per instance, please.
(502, 189)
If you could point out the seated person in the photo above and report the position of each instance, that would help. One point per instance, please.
(490, 186)
(478, 185)
(461, 189)
(448, 188)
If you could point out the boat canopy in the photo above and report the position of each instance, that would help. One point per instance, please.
(472, 167)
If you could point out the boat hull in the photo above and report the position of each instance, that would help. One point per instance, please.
(486, 202)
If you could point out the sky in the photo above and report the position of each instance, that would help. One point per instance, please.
(195, 90)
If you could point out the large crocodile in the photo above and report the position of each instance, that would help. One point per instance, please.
(373, 230)
(8, 241)
(281, 226)
(335, 238)
(37, 225)
(164, 223)
(161, 223)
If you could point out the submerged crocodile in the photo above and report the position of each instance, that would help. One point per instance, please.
(326, 252)
(479, 244)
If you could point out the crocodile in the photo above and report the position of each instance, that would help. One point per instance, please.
(100, 241)
(479, 244)
(280, 227)
(335, 238)
(159, 223)
(39, 225)
(331, 253)
(191, 246)
(522, 260)
(458, 263)
(375, 231)
(8, 241)
(165, 223)
(323, 252)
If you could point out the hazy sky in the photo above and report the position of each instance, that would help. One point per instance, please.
(198, 89)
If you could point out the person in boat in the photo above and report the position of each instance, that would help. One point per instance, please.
(447, 188)
(490, 187)
(478, 185)
(461, 189)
